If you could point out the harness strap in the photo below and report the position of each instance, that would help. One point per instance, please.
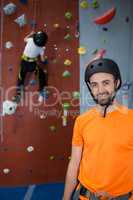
(92, 196)
(26, 58)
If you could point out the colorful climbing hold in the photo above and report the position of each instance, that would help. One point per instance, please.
(104, 40)
(77, 34)
(67, 62)
(127, 19)
(52, 128)
(54, 61)
(95, 51)
(21, 20)
(66, 106)
(8, 45)
(67, 49)
(10, 68)
(55, 48)
(9, 9)
(68, 15)
(81, 50)
(95, 4)
(33, 24)
(56, 25)
(106, 17)
(66, 73)
(67, 27)
(76, 94)
(30, 149)
(9, 107)
(32, 82)
(105, 29)
(6, 170)
(67, 36)
(51, 157)
(24, 1)
(84, 4)
(43, 116)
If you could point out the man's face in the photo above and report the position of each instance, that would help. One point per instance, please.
(103, 87)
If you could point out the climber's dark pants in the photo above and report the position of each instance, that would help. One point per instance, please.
(25, 67)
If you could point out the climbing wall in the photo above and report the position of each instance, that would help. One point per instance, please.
(107, 25)
(35, 141)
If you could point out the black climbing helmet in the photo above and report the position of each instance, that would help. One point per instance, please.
(40, 38)
(103, 65)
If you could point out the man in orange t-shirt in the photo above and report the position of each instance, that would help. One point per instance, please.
(101, 165)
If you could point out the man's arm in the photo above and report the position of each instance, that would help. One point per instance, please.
(72, 172)
(29, 35)
(43, 57)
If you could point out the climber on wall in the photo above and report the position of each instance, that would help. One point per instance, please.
(35, 48)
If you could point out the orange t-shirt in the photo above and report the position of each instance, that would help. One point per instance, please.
(107, 160)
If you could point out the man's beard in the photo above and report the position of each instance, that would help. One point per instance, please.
(104, 99)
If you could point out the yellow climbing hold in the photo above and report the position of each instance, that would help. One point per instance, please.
(51, 157)
(67, 62)
(52, 128)
(82, 50)
(84, 4)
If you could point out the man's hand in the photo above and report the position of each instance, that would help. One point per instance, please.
(32, 32)
(29, 35)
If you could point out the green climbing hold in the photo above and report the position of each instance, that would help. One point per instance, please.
(68, 15)
(68, 37)
(95, 4)
(84, 4)
(66, 106)
(66, 74)
(76, 95)
(95, 51)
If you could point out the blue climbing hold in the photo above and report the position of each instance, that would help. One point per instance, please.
(24, 1)
(32, 82)
(33, 24)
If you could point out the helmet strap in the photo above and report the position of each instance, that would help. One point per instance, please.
(108, 103)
